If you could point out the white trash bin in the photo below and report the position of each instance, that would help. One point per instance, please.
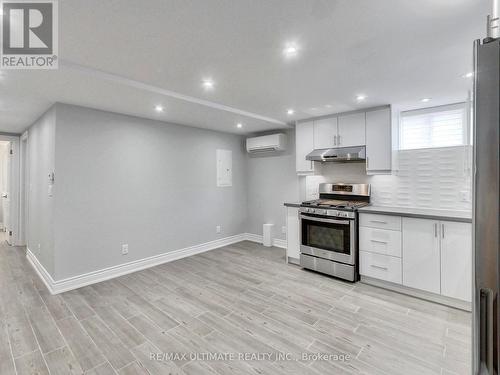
(267, 235)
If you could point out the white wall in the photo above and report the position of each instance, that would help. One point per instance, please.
(40, 226)
(271, 182)
(149, 184)
(427, 178)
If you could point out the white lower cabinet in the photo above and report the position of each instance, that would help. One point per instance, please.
(380, 247)
(428, 255)
(378, 266)
(380, 241)
(292, 233)
(456, 260)
(421, 257)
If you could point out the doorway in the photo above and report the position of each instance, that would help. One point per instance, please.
(9, 188)
(5, 168)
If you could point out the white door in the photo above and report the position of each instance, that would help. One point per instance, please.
(378, 140)
(304, 144)
(351, 130)
(456, 260)
(421, 255)
(5, 185)
(325, 133)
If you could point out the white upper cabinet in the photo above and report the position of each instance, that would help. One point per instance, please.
(378, 141)
(421, 255)
(456, 260)
(371, 128)
(304, 144)
(351, 130)
(325, 133)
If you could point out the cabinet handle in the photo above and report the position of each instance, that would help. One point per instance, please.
(442, 230)
(379, 267)
(335, 140)
(339, 140)
(435, 230)
(378, 221)
(367, 163)
(378, 241)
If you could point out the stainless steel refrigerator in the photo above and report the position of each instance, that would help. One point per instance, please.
(486, 206)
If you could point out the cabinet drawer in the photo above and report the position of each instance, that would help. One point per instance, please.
(380, 241)
(380, 221)
(381, 267)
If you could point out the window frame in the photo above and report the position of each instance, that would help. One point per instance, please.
(466, 136)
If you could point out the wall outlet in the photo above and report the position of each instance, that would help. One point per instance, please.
(218, 229)
(39, 248)
(283, 230)
(125, 249)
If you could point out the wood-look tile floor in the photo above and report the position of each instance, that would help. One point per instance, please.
(240, 298)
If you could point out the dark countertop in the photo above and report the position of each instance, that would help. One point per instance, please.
(423, 213)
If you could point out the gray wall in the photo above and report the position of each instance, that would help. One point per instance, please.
(152, 185)
(40, 228)
(272, 180)
(149, 184)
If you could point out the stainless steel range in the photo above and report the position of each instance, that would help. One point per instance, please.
(329, 229)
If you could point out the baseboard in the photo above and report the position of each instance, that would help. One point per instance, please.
(75, 282)
(40, 270)
(442, 300)
(258, 238)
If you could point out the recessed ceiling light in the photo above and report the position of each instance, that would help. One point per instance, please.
(239, 125)
(159, 108)
(425, 100)
(290, 50)
(328, 106)
(208, 84)
(468, 75)
(360, 97)
(290, 111)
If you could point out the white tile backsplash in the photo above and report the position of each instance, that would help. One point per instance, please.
(429, 178)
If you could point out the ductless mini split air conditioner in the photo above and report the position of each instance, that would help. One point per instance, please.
(266, 143)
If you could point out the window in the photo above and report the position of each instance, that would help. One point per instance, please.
(442, 126)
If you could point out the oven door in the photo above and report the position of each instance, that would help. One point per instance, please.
(328, 238)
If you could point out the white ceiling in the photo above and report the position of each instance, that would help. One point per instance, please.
(128, 56)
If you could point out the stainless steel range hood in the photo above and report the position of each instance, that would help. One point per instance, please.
(342, 154)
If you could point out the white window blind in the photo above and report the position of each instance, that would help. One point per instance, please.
(443, 126)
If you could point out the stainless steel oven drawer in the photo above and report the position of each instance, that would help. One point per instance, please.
(343, 271)
(327, 254)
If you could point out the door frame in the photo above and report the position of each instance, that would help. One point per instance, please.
(23, 190)
(14, 185)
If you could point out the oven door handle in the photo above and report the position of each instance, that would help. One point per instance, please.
(332, 221)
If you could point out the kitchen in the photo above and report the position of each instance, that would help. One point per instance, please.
(413, 231)
(240, 187)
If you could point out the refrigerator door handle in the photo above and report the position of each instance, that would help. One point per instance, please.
(486, 321)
